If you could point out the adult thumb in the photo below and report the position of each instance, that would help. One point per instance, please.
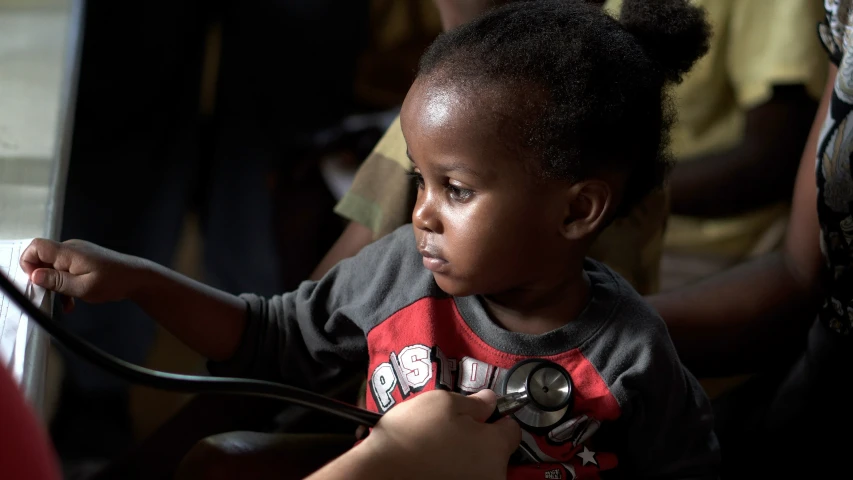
(480, 405)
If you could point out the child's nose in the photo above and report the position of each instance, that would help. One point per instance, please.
(425, 216)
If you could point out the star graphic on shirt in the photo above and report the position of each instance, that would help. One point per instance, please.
(588, 456)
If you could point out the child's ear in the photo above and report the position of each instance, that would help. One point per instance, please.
(588, 204)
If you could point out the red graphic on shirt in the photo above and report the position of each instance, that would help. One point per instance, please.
(428, 345)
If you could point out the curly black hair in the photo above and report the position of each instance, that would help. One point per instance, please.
(598, 85)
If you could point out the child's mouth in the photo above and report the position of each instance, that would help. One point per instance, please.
(432, 261)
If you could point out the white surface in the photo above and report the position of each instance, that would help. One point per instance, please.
(32, 50)
(14, 325)
(39, 48)
(22, 210)
(32, 47)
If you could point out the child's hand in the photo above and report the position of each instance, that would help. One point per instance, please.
(78, 269)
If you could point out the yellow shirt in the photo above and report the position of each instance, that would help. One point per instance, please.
(756, 44)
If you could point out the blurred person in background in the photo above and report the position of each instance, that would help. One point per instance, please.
(744, 113)
(143, 155)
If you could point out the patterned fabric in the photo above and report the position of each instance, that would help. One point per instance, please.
(382, 197)
(833, 172)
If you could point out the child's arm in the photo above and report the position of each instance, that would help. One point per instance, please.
(209, 321)
(316, 336)
(309, 337)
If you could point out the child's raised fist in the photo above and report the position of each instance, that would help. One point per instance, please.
(78, 269)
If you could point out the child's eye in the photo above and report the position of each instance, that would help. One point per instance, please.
(459, 194)
(418, 179)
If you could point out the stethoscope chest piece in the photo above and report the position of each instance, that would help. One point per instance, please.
(549, 389)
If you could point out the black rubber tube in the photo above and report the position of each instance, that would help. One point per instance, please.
(184, 383)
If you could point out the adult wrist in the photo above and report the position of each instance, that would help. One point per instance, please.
(375, 459)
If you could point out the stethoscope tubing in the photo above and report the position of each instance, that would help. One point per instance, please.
(185, 383)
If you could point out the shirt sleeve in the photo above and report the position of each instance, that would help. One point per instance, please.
(773, 43)
(382, 195)
(665, 429)
(669, 427)
(311, 336)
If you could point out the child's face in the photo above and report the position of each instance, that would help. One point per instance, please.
(482, 222)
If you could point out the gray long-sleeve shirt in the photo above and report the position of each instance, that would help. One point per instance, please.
(636, 411)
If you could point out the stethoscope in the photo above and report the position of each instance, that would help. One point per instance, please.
(537, 393)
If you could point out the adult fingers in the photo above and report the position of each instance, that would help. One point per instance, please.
(509, 432)
(479, 405)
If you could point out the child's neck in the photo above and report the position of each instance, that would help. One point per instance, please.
(539, 309)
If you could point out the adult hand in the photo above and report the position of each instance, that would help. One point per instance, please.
(435, 435)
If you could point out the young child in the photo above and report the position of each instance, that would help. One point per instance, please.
(529, 129)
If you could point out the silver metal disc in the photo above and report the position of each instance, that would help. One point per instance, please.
(531, 415)
(549, 388)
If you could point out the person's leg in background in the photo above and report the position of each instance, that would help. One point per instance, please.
(269, 103)
(807, 427)
(793, 421)
(286, 71)
(129, 179)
